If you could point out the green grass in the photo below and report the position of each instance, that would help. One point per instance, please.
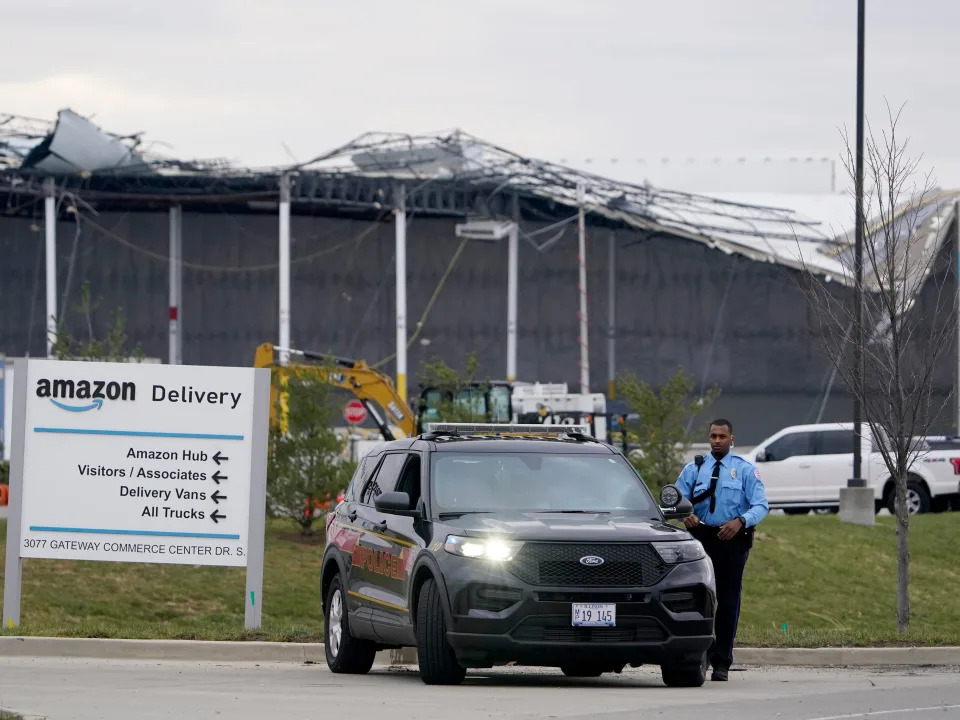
(141, 600)
(831, 584)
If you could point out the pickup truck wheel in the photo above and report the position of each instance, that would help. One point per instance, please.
(344, 652)
(918, 499)
(685, 675)
(438, 663)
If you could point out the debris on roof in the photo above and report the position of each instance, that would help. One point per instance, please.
(448, 162)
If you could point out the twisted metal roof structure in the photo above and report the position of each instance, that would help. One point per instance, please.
(764, 233)
(450, 173)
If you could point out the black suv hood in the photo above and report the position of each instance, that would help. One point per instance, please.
(570, 527)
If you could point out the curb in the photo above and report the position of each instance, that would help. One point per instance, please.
(849, 657)
(123, 649)
(244, 651)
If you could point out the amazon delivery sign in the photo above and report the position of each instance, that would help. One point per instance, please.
(131, 462)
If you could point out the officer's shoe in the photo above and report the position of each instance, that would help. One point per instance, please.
(719, 674)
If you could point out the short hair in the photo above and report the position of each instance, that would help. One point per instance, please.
(723, 421)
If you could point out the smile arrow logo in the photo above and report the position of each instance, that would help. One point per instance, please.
(97, 403)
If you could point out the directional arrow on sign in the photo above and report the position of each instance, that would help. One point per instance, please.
(217, 497)
(217, 477)
(217, 516)
(218, 457)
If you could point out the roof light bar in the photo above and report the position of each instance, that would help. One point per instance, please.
(506, 429)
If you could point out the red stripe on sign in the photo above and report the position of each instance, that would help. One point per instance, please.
(173, 313)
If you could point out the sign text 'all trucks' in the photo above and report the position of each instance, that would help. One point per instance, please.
(137, 462)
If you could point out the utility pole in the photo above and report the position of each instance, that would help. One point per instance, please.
(584, 330)
(284, 269)
(400, 238)
(956, 220)
(857, 480)
(857, 504)
(50, 216)
(612, 316)
(512, 262)
(176, 285)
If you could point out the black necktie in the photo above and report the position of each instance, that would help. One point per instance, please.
(713, 486)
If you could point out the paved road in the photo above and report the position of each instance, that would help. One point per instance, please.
(66, 689)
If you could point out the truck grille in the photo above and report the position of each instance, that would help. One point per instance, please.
(625, 564)
(558, 629)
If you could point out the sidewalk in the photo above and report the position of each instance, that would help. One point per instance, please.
(212, 651)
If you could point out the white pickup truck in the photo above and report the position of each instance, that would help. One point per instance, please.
(803, 468)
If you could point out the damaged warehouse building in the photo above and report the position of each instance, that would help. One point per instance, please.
(207, 261)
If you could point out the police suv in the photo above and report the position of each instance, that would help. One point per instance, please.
(481, 545)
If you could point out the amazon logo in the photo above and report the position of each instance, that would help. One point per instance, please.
(83, 395)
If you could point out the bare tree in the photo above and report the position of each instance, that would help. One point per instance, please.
(902, 342)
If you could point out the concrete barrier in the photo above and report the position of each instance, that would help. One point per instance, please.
(858, 505)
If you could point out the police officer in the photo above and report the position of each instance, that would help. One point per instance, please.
(729, 500)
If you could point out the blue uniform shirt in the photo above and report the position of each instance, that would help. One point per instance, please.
(739, 490)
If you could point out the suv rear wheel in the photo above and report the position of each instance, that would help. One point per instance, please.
(438, 662)
(685, 675)
(345, 653)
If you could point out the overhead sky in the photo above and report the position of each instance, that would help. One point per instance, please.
(267, 82)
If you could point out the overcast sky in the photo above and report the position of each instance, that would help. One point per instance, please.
(557, 79)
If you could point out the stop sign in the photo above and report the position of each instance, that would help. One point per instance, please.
(354, 412)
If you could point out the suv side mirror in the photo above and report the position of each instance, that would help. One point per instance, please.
(395, 503)
(762, 456)
(673, 504)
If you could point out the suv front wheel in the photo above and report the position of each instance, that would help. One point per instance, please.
(345, 653)
(438, 662)
(685, 675)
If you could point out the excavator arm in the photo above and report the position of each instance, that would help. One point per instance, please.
(372, 387)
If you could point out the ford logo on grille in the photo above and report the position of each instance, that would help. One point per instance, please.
(591, 560)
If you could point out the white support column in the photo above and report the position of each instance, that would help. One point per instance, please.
(612, 317)
(584, 329)
(50, 215)
(284, 268)
(400, 228)
(176, 284)
(512, 260)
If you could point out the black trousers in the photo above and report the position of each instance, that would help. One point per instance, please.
(729, 559)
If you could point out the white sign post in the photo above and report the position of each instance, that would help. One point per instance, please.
(127, 462)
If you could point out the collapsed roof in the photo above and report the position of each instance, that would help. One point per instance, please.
(75, 147)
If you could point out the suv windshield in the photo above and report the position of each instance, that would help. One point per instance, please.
(538, 482)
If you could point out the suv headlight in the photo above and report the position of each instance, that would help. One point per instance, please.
(488, 549)
(678, 552)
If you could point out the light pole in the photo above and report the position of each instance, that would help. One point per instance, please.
(857, 479)
(857, 504)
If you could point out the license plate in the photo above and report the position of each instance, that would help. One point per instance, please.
(594, 614)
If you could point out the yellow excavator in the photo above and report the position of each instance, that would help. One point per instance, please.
(490, 401)
(372, 387)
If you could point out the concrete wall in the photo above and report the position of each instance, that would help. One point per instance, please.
(670, 297)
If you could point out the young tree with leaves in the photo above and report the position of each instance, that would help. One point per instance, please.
(112, 348)
(901, 347)
(306, 460)
(458, 392)
(661, 432)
